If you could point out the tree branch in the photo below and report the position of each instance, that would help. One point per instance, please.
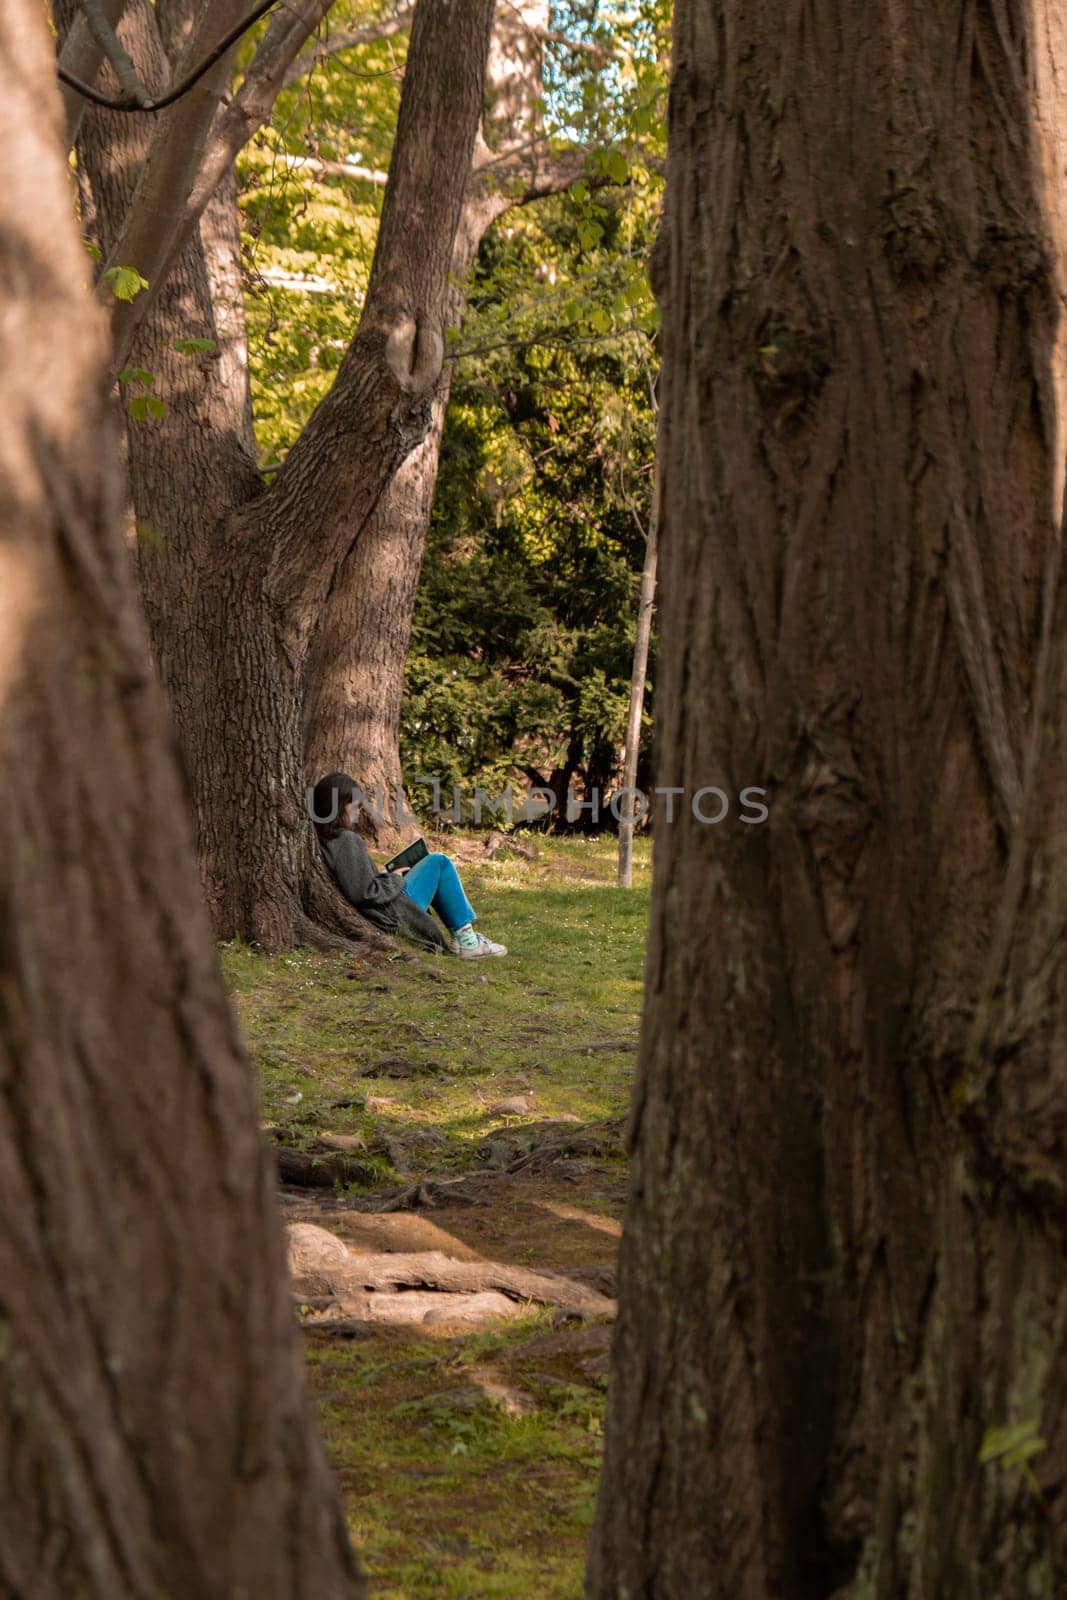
(108, 42)
(383, 389)
(598, 53)
(80, 57)
(136, 96)
(336, 43)
(539, 172)
(319, 168)
(193, 146)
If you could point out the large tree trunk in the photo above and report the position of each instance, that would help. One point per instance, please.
(235, 575)
(155, 1434)
(844, 1259)
(356, 671)
(355, 675)
(355, 683)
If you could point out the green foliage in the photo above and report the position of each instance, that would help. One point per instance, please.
(142, 406)
(523, 636)
(309, 238)
(1013, 1448)
(195, 347)
(149, 534)
(125, 283)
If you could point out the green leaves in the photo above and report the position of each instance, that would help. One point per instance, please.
(588, 233)
(1013, 1448)
(125, 283)
(610, 164)
(148, 533)
(195, 347)
(142, 406)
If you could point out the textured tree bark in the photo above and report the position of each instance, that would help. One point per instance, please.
(81, 56)
(355, 682)
(355, 676)
(845, 1248)
(356, 668)
(155, 1434)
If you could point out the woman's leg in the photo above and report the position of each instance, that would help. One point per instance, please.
(434, 881)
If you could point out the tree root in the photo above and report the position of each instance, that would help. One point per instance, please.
(318, 1164)
(378, 1285)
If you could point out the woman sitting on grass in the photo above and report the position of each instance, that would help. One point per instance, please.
(396, 902)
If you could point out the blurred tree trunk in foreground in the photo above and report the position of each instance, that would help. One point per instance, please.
(843, 1268)
(155, 1434)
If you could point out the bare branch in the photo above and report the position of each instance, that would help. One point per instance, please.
(107, 40)
(319, 168)
(194, 144)
(336, 43)
(598, 53)
(529, 172)
(136, 97)
(80, 59)
(528, 175)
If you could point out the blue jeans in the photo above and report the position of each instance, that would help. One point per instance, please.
(434, 882)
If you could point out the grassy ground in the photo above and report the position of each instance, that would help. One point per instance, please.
(468, 1463)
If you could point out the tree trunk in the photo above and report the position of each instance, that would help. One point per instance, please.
(235, 575)
(356, 672)
(849, 1176)
(639, 678)
(355, 676)
(155, 1434)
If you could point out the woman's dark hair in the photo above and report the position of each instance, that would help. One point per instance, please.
(327, 801)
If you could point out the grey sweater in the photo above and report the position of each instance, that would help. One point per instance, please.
(379, 896)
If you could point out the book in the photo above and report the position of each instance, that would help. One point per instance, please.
(407, 858)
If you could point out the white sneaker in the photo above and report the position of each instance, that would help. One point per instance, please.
(474, 952)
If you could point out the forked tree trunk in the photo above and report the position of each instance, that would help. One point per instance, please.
(155, 1434)
(844, 1258)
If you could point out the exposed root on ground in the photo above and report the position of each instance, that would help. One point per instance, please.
(333, 1283)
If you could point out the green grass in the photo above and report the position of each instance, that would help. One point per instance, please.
(468, 1467)
(473, 1032)
(449, 1494)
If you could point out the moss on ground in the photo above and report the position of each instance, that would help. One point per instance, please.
(468, 1464)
